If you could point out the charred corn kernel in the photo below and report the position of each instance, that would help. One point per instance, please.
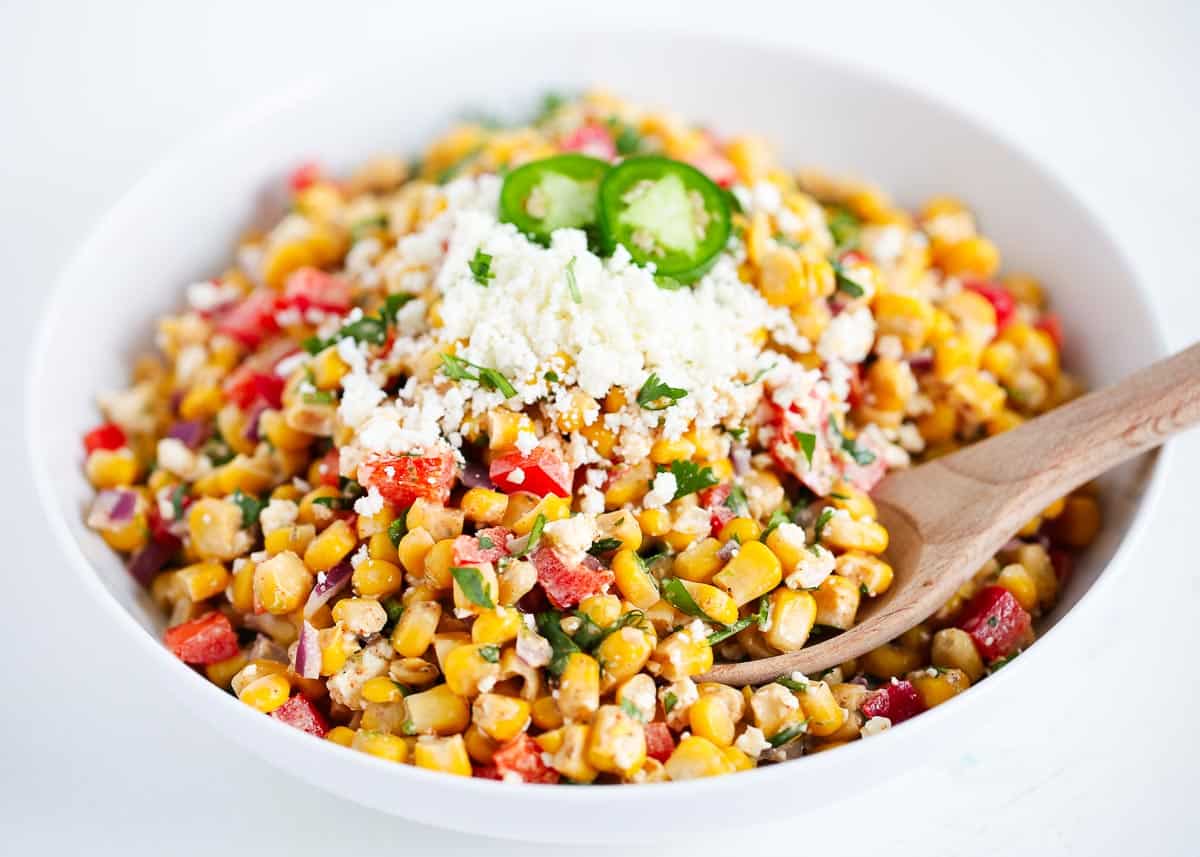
(684, 653)
(709, 717)
(381, 549)
(484, 506)
(201, 402)
(415, 628)
(571, 757)
(1001, 359)
(825, 716)
(413, 549)
(869, 572)
(939, 424)
(332, 546)
(941, 685)
(415, 672)
(312, 512)
(342, 735)
(215, 529)
(381, 745)
(579, 687)
(376, 578)
(439, 521)
(953, 649)
(699, 561)
(1079, 522)
(328, 369)
(845, 533)
(837, 601)
(890, 660)
(553, 508)
(630, 486)
(203, 580)
(907, 317)
(280, 434)
(712, 602)
(654, 522)
(112, 468)
(743, 529)
(497, 626)
(281, 583)
(295, 538)
(516, 580)
(438, 562)
(471, 668)
(501, 717)
(633, 579)
(696, 757)
(222, 672)
(622, 526)
(623, 654)
(267, 693)
(616, 742)
(1017, 580)
(545, 715)
(479, 746)
(792, 614)
(753, 572)
(381, 689)
(437, 711)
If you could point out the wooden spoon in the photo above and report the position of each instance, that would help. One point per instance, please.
(947, 517)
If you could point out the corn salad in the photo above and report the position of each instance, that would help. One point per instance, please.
(476, 462)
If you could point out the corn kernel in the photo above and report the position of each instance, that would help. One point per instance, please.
(753, 572)
(281, 583)
(696, 757)
(837, 602)
(579, 687)
(267, 693)
(792, 614)
(502, 718)
(415, 628)
(437, 711)
(616, 742)
(376, 578)
(381, 745)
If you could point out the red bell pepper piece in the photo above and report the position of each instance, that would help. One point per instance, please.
(203, 641)
(401, 479)
(472, 550)
(998, 296)
(246, 387)
(660, 743)
(328, 469)
(591, 139)
(309, 288)
(542, 472)
(523, 756)
(567, 585)
(485, 772)
(713, 501)
(996, 622)
(1051, 324)
(304, 175)
(252, 319)
(897, 702)
(108, 436)
(300, 713)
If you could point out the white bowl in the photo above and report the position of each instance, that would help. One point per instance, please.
(177, 225)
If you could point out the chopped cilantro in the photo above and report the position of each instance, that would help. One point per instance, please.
(690, 477)
(632, 710)
(603, 546)
(822, 521)
(486, 543)
(394, 608)
(807, 441)
(779, 516)
(669, 700)
(535, 534)
(860, 455)
(561, 644)
(760, 374)
(458, 369)
(491, 654)
(791, 684)
(759, 616)
(738, 433)
(551, 377)
(844, 283)
(844, 227)
(481, 267)
(788, 734)
(360, 229)
(470, 581)
(319, 397)
(676, 594)
(397, 528)
(250, 506)
(737, 503)
(655, 390)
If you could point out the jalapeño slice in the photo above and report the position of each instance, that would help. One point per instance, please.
(553, 193)
(666, 212)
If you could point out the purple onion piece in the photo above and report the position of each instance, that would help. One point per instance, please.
(477, 476)
(741, 460)
(330, 585)
(728, 550)
(149, 561)
(192, 433)
(250, 432)
(922, 361)
(122, 509)
(308, 652)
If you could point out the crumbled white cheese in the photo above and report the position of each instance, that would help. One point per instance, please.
(208, 295)
(175, 457)
(516, 476)
(359, 556)
(814, 565)
(875, 725)
(752, 742)
(370, 504)
(526, 442)
(662, 490)
(277, 514)
(849, 336)
(571, 536)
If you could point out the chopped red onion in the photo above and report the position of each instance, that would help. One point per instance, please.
(741, 460)
(150, 560)
(308, 652)
(728, 550)
(114, 506)
(922, 361)
(476, 476)
(328, 585)
(250, 432)
(192, 433)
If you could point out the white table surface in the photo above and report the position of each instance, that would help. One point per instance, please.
(1099, 757)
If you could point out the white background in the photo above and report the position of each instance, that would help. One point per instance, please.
(1097, 756)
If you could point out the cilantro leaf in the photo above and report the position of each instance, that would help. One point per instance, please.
(807, 441)
(670, 700)
(788, 734)
(458, 369)
(397, 528)
(737, 503)
(791, 684)
(632, 710)
(491, 654)
(690, 477)
(250, 506)
(535, 534)
(844, 283)
(655, 390)
(758, 616)
(822, 521)
(360, 229)
(844, 227)
(481, 267)
(676, 594)
(860, 455)
(777, 517)
(470, 581)
(603, 546)
(561, 643)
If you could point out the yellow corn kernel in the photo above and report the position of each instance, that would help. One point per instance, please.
(709, 717)
(484, 506)
(491, 588)
(955, 357)
(939, 424)
(504, 426)
(128, 537)
(245, 474)
(891, 384)
(282, 583)
(328, 369)
(376, 578)
(906, 317)
(603, 610)
(366, 526)
(654, 522)
(1054, 509)
(1001, 359)
(601, 437)
(630, 486)
(752, 159)
(381, 689)
(332, 546)
(696, 757)
(846, 534)
(435, 519)
(437, 711)
(552, 507)
(221, 673)
(295, 538)
(622, 526)
(712, 601)
(623, 654)
(1079, 522)
(333, 650)
(545, 715)
(413, 549)
(684, 653)
(939, 687)
(267, 693)
(973, 256)
(112, 468)
(665, 450)
(516, 580)
(241, 588)
(415, 628)
(501, 717)
(577, 414)
(479, 746)
(792, 615)
(571, 757)
(497, 626)
(616, 742)
(825, 716)
(743, 529)
(837, 602)
(201, 402)
(699, 561)
(889, 660)
(869, 572)
(1017, 580)
(978, 396)
(317, 514)
(381, 549)
(381, 745)
(579, 687)
(1005, 420)
(953, 649)
(753, 572)
(203, 580)
(468, 666)
(551, 741)
(282, 259)
(342, 735)
(1035, 560)
(272, 426)
(215, 528)
(633, 579)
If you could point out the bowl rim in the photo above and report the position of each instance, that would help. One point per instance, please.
(251, 728)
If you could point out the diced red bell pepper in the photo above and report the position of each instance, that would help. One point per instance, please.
(566, 585)
(1051, 324)
(401, 479)
(996, 622)
(485, 772)
(897, 702)
(713, 501)
(246, 387)
(108, 436)
(309, 288)
(1063, 564)
(716, 166)
(300, 713)
(203, 641)
(660, 743)
(328, 469)
(864, 477)
(542, 472)
(998, 296)
(304, 175)
(523, 756)
(468, 550)
(591, 139)
(252, 319)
